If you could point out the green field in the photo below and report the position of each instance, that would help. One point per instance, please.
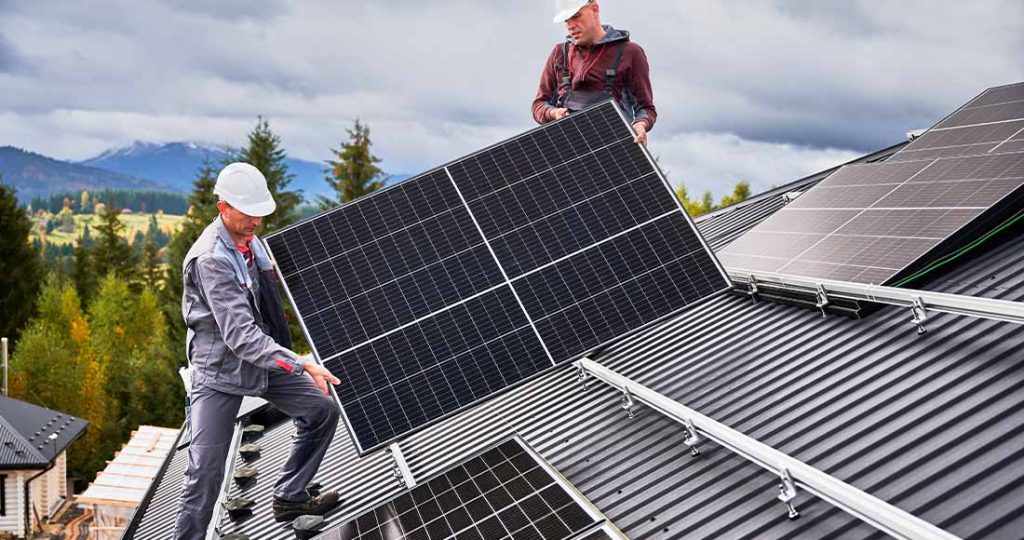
(133, 223)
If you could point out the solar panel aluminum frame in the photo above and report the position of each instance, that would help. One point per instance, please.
(563, 363)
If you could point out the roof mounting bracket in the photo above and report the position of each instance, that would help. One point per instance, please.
(822, 300)
(400, 468)
(627, 402)
(582, 377)
(920, 314)
(788, 492)
(753, 288)
(693, 438)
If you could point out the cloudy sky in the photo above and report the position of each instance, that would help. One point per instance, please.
(766, 91)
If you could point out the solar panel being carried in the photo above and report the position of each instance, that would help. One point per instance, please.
(878, 223)
(433, 294)
(506, 492)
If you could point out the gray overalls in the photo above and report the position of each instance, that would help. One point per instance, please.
(237, 343)
(576, 100)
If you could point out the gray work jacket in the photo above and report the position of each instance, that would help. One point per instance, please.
(226, 341)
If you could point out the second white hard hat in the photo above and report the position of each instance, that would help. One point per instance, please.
(567, 8)
(244, 187)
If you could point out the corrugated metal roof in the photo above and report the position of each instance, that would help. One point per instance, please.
(25, 430)
(932, 423)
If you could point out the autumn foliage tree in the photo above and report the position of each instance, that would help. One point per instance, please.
(706, 203)
(55, 366)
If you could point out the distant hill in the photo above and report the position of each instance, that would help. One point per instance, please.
(142, 166)
(176, 164)
(35, 175)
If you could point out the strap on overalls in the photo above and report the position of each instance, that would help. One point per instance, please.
(566, 85)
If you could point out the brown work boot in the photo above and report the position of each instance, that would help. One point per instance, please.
(313, 506)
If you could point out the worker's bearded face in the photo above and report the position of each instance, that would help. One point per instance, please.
(585, 25)
(240, 225)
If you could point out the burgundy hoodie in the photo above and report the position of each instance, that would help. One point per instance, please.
(632, 88)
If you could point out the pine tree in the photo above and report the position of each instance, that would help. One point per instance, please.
(20, 270)
(83, 271)
(355, 172)
(150, 253)
(112, 252)
(201, 212)
(266, 154)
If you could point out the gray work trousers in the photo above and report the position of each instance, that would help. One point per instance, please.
(212, 422)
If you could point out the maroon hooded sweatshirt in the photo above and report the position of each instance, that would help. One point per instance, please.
(587, 67)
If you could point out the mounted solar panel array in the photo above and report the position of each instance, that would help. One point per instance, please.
(877, 223)
(505, 492)
(434, 294)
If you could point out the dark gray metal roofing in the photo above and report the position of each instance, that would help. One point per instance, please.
(931, 423)
(25, 430)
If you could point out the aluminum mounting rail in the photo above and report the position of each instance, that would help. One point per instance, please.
(919, 301)
(792, 472)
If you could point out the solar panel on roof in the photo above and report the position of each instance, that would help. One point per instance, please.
(438, 292)
(876, 223)
(506, 492)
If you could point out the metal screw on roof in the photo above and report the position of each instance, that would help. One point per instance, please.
(627, 402)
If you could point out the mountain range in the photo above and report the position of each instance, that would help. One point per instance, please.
(142, 166)
(35, 175)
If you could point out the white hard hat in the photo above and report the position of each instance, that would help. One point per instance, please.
(244, 187)
(564, 9)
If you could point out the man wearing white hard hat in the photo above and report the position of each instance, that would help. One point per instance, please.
(238, 345)
(596, 62)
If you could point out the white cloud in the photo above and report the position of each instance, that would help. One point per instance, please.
(716, 162)
(437, 80)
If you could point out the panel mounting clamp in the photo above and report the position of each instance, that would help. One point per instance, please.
(582, 377)
(401, 469)
(788, 492)
(693, 438)
(822, 300)
(753, 289)
(627, 402)
(920, 314)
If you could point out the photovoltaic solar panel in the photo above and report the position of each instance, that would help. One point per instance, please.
(505, 492)
(878, 223)
(434, 294)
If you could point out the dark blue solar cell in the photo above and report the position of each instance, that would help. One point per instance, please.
(409, 291)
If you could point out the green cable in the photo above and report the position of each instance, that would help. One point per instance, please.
(962, 251)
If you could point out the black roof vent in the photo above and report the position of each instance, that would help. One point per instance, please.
(244, 476)
(306, 527)
(252, 431)
(239, 508)
(249, 451)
